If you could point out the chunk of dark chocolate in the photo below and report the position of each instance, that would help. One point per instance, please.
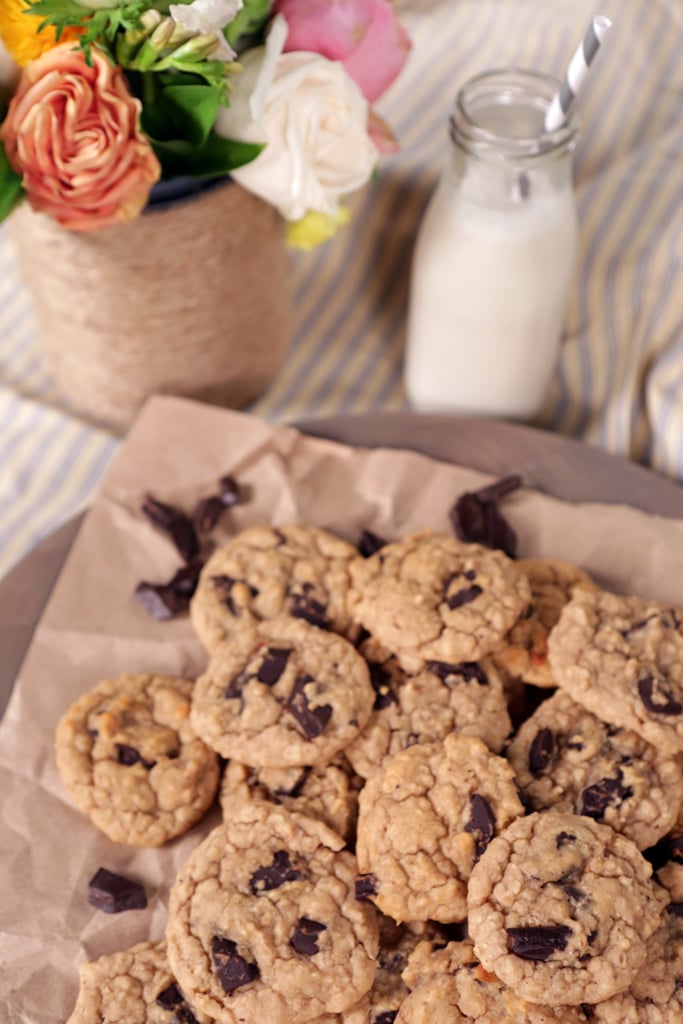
(463, 596)
(173, 999)
(370, 543)
(207, 512)
(173, 521)
(387, 1017)
(380, 679)
(541, 751)
(166, 600)
(274, 875)
(128, 755)
(538, 943)
(366, 886)
(481, 824)
(311, 720)
(232, 969)
(114, 893)
(476, 518)
(305, 606)
(273, 665)
(305, 938)
(469, 671)
(563, 839)
(657, 698)
(225, 584)
(594, 800)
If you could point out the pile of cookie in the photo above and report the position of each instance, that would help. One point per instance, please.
(443, 768)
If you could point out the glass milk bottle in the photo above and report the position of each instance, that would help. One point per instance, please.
(495, 254)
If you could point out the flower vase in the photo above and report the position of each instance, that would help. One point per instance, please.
(191, 299)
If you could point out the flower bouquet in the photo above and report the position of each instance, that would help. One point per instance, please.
(260, 108)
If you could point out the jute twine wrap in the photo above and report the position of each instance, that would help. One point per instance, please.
(190, 300)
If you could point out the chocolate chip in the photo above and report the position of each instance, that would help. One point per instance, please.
(305, 938)
(232, 969)
(207, 513)
(276, 874)
(388, 1017)
(234, 688)
(656, 698)
(563, 838)
(475, 517)
(312, 720)
(175, 523)
(573, 893)
(113, 893)
(469, 671)
(381, 684)
(273, 665)
(173, 999)
(305, 606)
(541, 751)
(637, 626)
(676, 909)
(166, 600)
(370, 543)
(129, 756)
(464, 596)
(225, 585)
(366, 886)
(230, 491)
(482, 823)
(538, 943)
(594, 800)
(297, 787)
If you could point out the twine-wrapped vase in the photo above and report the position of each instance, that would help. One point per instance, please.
(190, 299)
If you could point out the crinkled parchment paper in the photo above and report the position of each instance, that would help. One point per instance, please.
(93, 629)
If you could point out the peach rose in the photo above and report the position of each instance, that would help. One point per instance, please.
(72, 132)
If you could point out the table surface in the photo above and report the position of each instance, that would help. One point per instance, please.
(619, 374)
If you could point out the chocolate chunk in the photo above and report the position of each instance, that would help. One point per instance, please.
(656, 698)
(468, 670)
(388, 1017)
(166, 600)
(538, 943)
(236, 685)
(541, 751)
(366, 886)
(225, 585)
(232, 969)
(312, 720)
(381, 684)
(475, 517)
(676, 909)
(573, 893)
(272, 877)
(464, 596)
(175, 523)
(305, 606)
(305, 938)
(173, 999)
(370, 543)
(129, 756)
(563, 838)
(594, 800)
(297, 787)
(626, 633)
(273, 665)
(113, 893)
(207, 513)
(230, 491)
(482, 823)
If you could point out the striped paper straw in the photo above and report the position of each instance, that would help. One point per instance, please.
(564, 100)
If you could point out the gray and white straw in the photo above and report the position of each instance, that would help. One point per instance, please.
(563, 100)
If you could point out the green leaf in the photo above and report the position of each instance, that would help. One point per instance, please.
(185, 111)
(11, 188)
(247, 25)
(98, 27)
(216, 157)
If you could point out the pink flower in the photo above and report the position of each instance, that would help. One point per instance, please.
(364, 35)
(72, 132)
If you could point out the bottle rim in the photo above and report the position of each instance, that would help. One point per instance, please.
(504, 86)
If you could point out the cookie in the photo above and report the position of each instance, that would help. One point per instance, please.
(566, 758)
(129, 758)
(283, 694)
(432, 598)
(396, 944)
(552, 583)
(560, 909)
(269, 571)
(467, 698)
(622, 658)
(135, 987)
(328, 792)
(263, 924)
(423, 821)
(656, 993)
(450, 985)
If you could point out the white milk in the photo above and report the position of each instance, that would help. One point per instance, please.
(492, 268)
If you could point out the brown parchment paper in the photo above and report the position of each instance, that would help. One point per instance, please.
(92, 629)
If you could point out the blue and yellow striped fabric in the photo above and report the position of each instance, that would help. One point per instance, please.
(619, 377)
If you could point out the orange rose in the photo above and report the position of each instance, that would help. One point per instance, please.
(72, 132)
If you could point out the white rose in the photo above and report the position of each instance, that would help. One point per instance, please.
(314, 120)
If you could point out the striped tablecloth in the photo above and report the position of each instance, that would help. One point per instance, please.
(620, 372)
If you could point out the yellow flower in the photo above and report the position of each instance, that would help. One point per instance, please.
(20, 35)
(315, 227)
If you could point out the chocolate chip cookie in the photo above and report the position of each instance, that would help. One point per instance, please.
(263, 923)
(136, 987)
(328, 792)
(268, 571)
(566, 758)
(560, 909)
(467, 698)
(433, 598)
(552, 582)
(450, 985)
(423, 822)
(622, 658)
(283, 694)
(129, 757)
